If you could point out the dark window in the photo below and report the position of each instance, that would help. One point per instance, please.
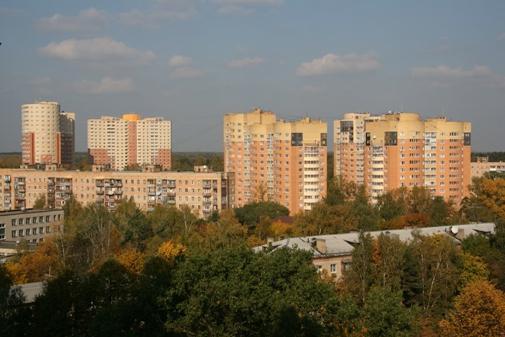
(391, 138)
(296, 139)
(467, 139)
(324, 139)
(367, 139)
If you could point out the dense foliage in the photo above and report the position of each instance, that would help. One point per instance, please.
(169, 273)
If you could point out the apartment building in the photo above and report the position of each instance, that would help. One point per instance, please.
(482, 166)
(332, 253)
(282, 161)
(47, 134)
(203, 192)
(130, 141)
(32, 225)
(396, 150)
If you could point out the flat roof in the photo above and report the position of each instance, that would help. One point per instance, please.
(30, 211)
(343, 244)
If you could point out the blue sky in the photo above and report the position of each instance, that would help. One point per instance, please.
(193, 60)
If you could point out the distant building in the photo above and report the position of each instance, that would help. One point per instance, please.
(130, 141)
(396, 150)
(203, 192)
(333, 253)
(282, 161)
(47, 134)
(482, 166)
(32, 225)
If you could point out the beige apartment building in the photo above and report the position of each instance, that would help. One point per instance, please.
(396, 150)
(204, 192)
(482, 166)
(271, 159)
(130, 141)
(48, 134)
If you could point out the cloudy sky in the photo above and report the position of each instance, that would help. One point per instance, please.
(193, 60)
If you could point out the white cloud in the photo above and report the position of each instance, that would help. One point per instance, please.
(244, 7)
(446, 72)
(179, 60)
(95, 49)
(333, 63)
(444, 76)
(89, 19)
(245, 62)
(163, 10)
(182, 67)
(186, 72)
(249, 2)
(105, 86)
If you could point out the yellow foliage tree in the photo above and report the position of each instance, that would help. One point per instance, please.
(131, 259)
(169, 250)
(479, 312)
(36, 266)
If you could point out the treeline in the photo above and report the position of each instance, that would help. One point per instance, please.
(169, 273)
(492, 156)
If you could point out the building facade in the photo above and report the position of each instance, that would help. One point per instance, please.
(203, 192)
(482, 166)
(32, 225)
(47, 134)
(130, 141)
(396, 150)
(282, 161)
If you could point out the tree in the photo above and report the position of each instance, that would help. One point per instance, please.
(131, 259)
(430, 275)
(235, 292)
(251, 213)
(132, 224)
(384, 314)
(389, 258)
(486, 199)
(472, 268)
(360, 277)
(479, 311)
(362, 214)
(39, 265)
(40, 202)
(392, 204)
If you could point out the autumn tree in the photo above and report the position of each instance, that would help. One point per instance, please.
(40, 202)
(479, 311)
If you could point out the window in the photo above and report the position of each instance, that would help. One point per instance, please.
(20, 221)
(333, 268)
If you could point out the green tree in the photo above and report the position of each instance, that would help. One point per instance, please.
(384, 314)
(132, 224)
(251, 213)
(235, 292)
(40, 202)
(360, 277)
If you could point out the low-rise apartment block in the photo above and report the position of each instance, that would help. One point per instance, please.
(203, 192)
(32, 225)
(332, 253)
(282, 161)
(482, 166)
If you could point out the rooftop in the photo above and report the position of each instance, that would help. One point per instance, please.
(343, 244)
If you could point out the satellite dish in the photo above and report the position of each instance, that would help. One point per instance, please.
(454, 230)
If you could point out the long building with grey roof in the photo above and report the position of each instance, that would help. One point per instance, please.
(332, 253)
